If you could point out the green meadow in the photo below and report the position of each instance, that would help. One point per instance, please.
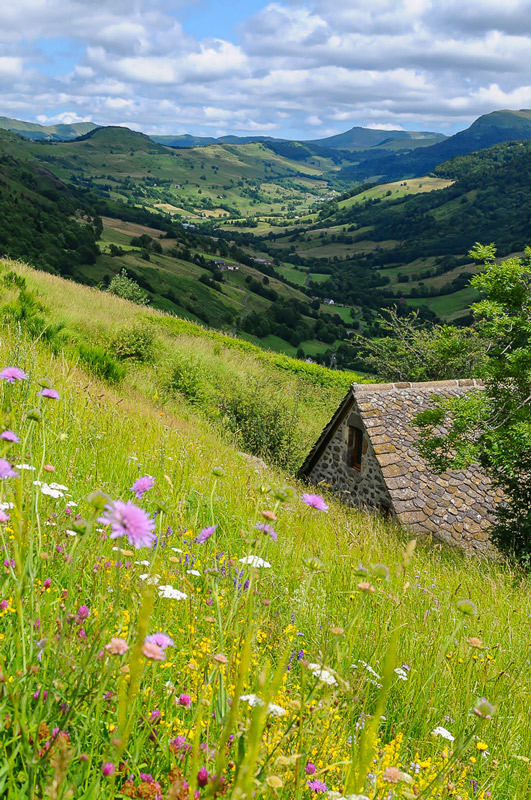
(224, 630)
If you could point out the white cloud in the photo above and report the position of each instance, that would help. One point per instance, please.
(298, 67)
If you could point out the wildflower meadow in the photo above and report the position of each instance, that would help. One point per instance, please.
(176, 622)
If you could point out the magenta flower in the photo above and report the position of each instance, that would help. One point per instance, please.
(142, 485)
(185, 700)
(315, 501)
(9, 436)
(310, 768)
(53, 394)
(12, 374)
(108, 768)
(180, 743)
(265, 528)
(205, 534)
(161, 639)
(203, 777)
(83, 612)
(6, 470)
(3, 516)
(3, 605)
(317, 786)
(126, 519)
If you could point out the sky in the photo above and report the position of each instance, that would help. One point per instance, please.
(288, 68)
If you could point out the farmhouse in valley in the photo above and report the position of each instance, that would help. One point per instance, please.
(366, 455)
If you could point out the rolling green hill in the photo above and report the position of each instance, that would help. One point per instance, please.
(486, 131)
(51, 133)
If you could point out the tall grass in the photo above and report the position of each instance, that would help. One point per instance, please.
(346, 665)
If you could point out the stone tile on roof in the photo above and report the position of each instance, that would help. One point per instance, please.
(456, 505)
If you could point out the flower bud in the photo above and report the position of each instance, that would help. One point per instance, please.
(467, 607)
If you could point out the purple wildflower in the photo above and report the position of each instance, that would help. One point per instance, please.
(3, 516)
(10, 436)
(12, 374)
(108, 768)
(6, 470)
(3, 605)
(185, 700)
(310, 768)
(205, 534)
(203, 777)
(83, 612)
(53, 394)
(142, 485)
(126, 519)
(265, 528)
(180, 743)
(315, 501)
(161, 639)
(317, 786)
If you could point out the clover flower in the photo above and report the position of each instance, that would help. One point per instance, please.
(184, 700)
(6, 470)
(108, 768)
(129, 520)
(310, 768)
(142, 485)
(315, 501)
(12, 374)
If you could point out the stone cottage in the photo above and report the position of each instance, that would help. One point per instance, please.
(367, 456)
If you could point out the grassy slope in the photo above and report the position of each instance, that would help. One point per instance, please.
(99, 437)
(305, 395)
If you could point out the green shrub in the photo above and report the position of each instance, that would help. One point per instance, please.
(12, 278)
(189, 378)
(134, 342)
(128, 289)
(264, 420)
(100, 362)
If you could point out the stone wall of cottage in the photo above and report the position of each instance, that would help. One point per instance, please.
(365, 487)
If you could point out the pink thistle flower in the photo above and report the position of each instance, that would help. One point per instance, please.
(153, 651)
(52, 394)
(315, 501)
(205, 534)
(268, 529)
(108, 768)
(12, 374)
(184, 700)
(10, 436)
(117, 646)
(129, 520)
(160, 639)
(3, 516)
(6, 470)
(142, 485)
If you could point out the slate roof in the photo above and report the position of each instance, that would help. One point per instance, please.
(456, 505)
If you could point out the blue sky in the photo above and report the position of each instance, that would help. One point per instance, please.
(299, 68)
